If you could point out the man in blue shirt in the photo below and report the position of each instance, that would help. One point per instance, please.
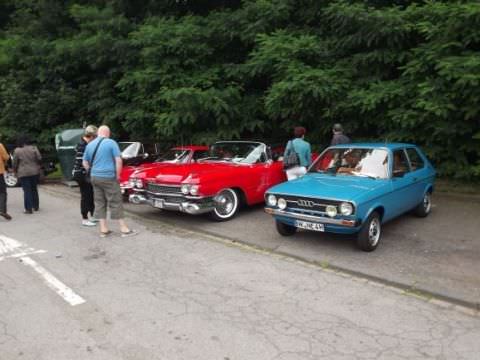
(103, 158)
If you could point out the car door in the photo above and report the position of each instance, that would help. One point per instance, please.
(403, 184)
(419, 174)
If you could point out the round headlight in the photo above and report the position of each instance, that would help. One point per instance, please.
(272, 200)
(331, 210)
(282, 203)
(194, 190)
(346, 208)
(139, 183)
(185, 189)
(132, 182)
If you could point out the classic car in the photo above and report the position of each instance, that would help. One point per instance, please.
(234, 173)
(135, 153)
(354, 189)
(133, 176)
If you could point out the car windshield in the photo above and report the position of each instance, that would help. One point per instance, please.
(363, 162)
(238, 152)
(129, 149)
(173, 156)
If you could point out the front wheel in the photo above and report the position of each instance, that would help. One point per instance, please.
(284, 229)
(226, 205)
(10, 179)
(369, 235)
(424, 208)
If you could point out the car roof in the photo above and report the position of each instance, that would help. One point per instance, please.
(191, 147)
(378, 145)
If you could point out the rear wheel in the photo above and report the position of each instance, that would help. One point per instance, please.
(226, 205)
(369, 235)
(424, 208)
(284, 229)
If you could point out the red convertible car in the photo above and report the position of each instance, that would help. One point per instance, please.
(234, 173)
(176, 155)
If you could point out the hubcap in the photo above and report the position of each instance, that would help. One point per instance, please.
(225, 204)
(10, 179)
(374, 232)
(427, 204)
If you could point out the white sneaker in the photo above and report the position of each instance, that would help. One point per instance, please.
(93, 219)
(88, 223)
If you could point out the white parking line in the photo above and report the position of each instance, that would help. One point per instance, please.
(13, 248)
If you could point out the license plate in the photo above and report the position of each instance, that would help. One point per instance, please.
(158, 203)
(309, 226)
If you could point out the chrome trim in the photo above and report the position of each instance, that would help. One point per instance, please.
(166, 185)
(317, 219)
(189, 197)
(354, 203)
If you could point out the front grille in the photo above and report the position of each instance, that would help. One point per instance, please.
(305, 203)
(163, 189)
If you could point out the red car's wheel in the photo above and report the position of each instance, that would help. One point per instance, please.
(226, 205)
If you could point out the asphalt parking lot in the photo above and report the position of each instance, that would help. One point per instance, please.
(432, 257)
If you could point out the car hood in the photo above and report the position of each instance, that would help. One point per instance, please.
(194, 172)
(330, 187)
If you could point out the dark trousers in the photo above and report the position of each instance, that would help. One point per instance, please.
(30, 192)
(3, 195)
(87, 204)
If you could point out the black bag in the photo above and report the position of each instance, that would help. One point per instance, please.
(291, 159)
(83, 174)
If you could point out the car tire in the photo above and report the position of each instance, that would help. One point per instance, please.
(227, 204)
(369, 235)
(424, 208)
(284, 229)
(11, 180)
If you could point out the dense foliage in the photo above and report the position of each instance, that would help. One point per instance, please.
(201, 70)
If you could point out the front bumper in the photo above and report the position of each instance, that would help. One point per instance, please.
(337, 225)
(189, 205)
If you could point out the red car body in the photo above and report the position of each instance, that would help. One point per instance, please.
(188, 154)
(240, 172)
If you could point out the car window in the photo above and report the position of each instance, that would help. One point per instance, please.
(400, 162)
(150, 149)
(200, 155)
(361, 162)
(416, 161)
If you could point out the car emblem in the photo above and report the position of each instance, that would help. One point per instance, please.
(306, 203)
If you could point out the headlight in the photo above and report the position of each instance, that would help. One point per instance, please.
(139, 183)
(132, 182)
(331, 210)
(194, 190)
(346, 208)
(282, 203)
(185, 189)
(272, 200)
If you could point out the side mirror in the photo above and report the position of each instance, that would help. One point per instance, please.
(146, 155)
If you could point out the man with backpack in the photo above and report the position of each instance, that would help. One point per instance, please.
(298, 155)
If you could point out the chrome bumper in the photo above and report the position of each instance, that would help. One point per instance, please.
(305, 217)
(186, 206)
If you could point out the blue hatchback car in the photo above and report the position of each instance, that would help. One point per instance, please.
(354, 189)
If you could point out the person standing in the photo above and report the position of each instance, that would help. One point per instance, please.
(303, 150)
(26, 165)
(102, 158)
(338, 136)
(4, 157)
(79, 174)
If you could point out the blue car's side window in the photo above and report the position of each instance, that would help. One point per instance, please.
(416, 161)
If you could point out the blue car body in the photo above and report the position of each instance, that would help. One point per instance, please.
(390, 196)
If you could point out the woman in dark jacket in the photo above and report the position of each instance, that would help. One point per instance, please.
(87, 204)
(26, 165)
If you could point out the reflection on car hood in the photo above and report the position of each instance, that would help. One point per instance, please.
(175, 174)
(341, 187)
